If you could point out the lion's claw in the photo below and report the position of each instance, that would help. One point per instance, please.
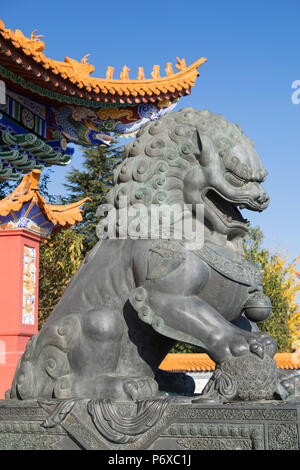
(269, 343)
(257, 349)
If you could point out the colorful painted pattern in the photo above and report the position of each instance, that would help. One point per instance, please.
(79, 124)
(30, 217)
(28, 113)
(29, 286)
(86, 125)
(37, 108)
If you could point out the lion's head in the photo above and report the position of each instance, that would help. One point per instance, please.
(193, 157)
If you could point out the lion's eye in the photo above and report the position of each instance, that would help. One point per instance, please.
(234, 180)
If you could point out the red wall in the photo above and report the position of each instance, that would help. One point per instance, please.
(14, 333)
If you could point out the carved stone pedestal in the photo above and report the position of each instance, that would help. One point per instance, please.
(164, 424)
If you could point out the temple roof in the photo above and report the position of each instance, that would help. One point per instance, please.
(38, 212)
(203, 363)
(25, 58)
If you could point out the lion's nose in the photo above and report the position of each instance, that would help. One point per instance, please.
(262, 199)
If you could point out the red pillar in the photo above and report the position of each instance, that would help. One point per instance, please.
(19, 275)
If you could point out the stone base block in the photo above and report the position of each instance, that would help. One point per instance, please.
(169, 423)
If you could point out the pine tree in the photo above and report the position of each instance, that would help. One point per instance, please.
(5, 189)
(93, 181)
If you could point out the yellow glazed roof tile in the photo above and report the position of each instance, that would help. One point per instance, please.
(78, 73)
(203, 363)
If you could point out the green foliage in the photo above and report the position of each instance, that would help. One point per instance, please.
(94, 181)
(181, 348)
(60, 256)
(279, 284)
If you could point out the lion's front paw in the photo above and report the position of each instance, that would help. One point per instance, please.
(233, 342)
(269, 343)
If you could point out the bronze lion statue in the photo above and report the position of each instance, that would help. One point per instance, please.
(136, 295)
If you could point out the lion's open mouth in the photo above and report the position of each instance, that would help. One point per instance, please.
(225, 209)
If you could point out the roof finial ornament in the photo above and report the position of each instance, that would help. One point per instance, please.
(109, 72)
(84, 59)
(124, 74)
(33, 37)
(81, 70)
(181, 64)
(169, 69)
(155, 72)
(141, 75)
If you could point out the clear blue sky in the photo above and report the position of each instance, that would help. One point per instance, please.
(253, 52)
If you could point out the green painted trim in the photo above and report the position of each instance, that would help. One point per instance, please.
(57, 96)
(34, 147)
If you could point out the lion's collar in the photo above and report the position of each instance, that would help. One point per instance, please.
(244, 271)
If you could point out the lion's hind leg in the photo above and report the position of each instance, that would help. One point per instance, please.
(44, 368)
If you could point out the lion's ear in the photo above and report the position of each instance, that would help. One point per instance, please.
(200, 147)
(197, 141)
